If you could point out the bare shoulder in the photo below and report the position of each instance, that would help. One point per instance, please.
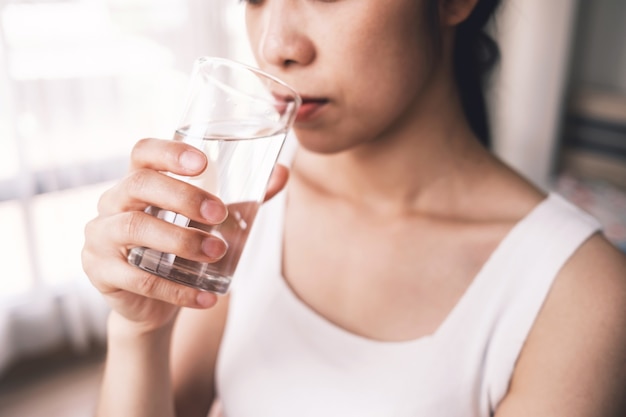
(574, 360)
(195, 344)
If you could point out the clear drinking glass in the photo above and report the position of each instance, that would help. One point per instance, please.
(239, 117)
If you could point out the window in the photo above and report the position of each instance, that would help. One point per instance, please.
(80, 82)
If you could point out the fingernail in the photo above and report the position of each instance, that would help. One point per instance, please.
(192, 160)
(214, 247)
(213, 211)
(205, 299)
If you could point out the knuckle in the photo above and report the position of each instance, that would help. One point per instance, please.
(159, 288)
(139, 148)
(180, 295)
(88, 229)
(104, 201)
(145, 283)
(100, 206)
(91, 234)
(91, 265)
(137, 181)
(185, 241)
(133, 224)
(86, 258)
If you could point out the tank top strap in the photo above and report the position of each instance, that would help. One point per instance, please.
(517, 280)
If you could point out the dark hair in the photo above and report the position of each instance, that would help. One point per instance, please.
(475, 54)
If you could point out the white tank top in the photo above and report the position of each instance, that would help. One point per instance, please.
(279, 358)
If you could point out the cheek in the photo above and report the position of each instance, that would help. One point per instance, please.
(389, 66)
(388, 87)
(378, 101)
(398, 65)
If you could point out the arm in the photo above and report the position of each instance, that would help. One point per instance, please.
(195, 345)
(574, 360)
(146, 310)
(145, 377)
(136, 377)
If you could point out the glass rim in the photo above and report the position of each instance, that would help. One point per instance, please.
(230, 63)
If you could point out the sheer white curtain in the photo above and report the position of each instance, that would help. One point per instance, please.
(80, 82)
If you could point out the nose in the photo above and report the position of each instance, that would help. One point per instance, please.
(283, 38)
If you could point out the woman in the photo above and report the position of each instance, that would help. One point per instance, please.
(403, 271)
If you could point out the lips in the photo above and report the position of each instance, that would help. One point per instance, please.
(309, 108)
(281, 103)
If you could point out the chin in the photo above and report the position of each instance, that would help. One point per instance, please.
(320, 143)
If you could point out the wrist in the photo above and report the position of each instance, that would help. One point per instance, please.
(120, 328)
(137, 379)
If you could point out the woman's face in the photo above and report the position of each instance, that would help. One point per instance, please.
(361, 66)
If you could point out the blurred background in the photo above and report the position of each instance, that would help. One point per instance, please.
(82, 80)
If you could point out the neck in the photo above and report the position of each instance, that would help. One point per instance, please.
(418, 166)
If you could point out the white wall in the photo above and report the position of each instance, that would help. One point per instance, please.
(526, 104)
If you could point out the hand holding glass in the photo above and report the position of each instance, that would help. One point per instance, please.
(239, 117)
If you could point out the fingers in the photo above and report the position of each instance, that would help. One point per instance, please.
(105, 250)
(125, 284)
(147, 185)
(122, 224)
(131, 229)
(144, 187)
(277, 182)
(168, 155)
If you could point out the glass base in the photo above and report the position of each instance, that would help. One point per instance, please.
(183, 271)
